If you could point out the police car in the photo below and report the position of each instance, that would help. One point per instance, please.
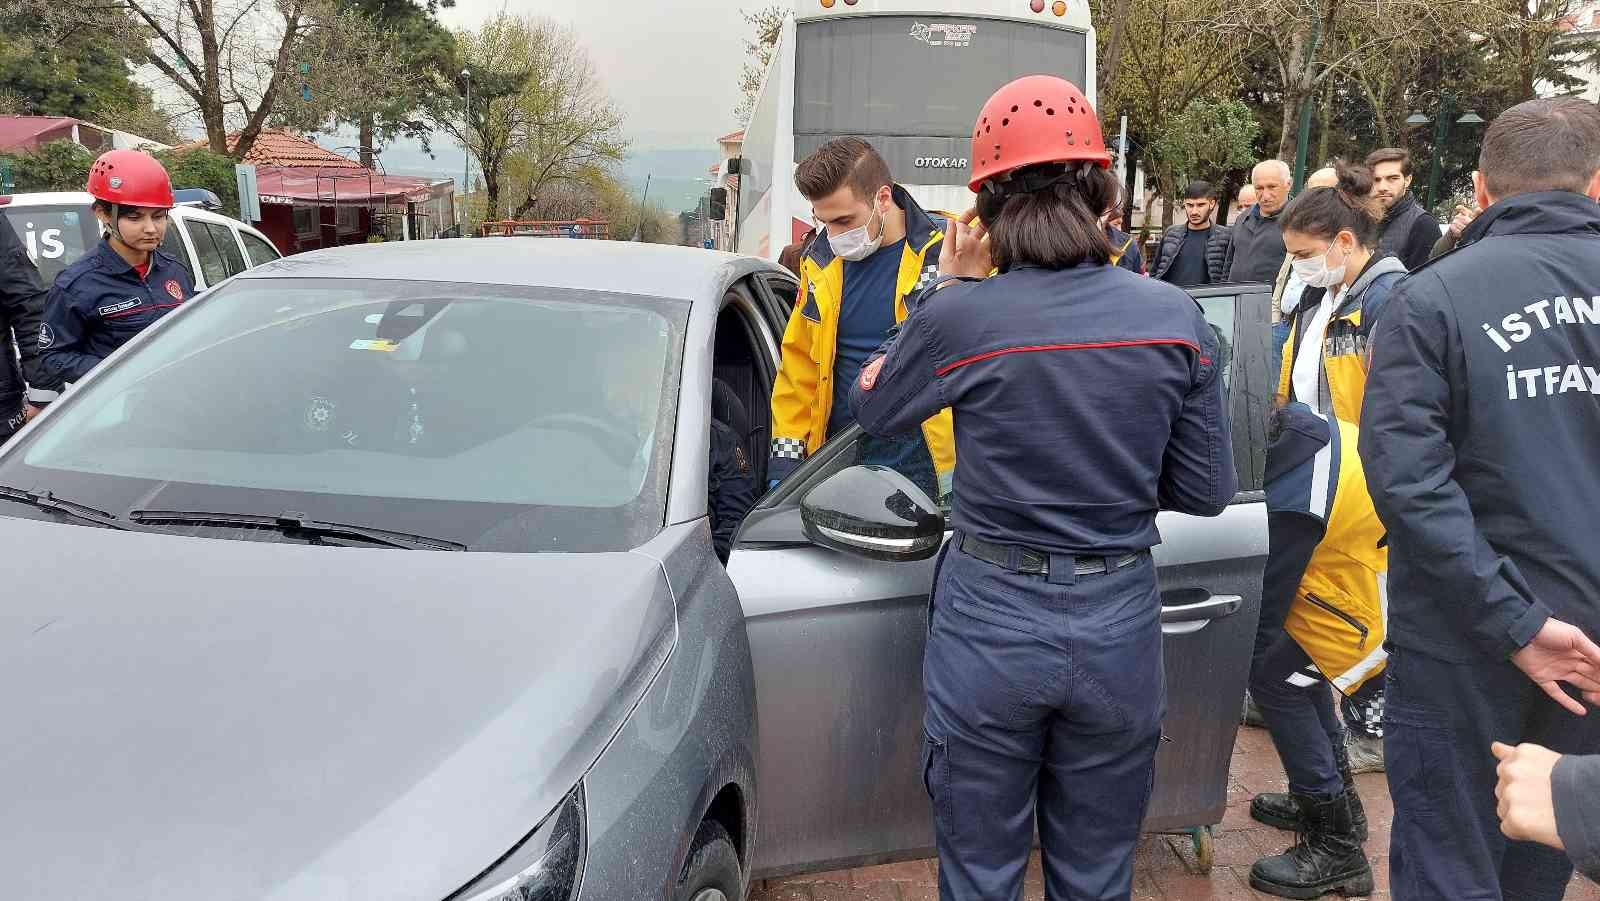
(59, 227)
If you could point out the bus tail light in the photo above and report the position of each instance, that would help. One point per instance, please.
(1060, 7)
(1037, 6)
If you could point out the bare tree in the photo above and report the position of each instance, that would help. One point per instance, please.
(228, 58)
(1312, 41)
(538, 114)
(767, 23)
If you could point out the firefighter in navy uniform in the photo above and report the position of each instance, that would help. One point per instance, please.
(1478, 434)
(1085, 399)
(103, 300)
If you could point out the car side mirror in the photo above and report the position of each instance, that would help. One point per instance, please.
(872, 512)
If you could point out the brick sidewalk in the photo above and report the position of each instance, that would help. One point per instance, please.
(1165, 868)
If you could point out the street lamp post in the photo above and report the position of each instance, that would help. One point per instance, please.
(466, 147)
(1441, 134)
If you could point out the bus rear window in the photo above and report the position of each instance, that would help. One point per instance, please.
(917, 76)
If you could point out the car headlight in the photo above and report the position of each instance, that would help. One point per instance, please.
(545, 866)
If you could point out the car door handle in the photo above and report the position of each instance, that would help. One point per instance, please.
(1185, 618)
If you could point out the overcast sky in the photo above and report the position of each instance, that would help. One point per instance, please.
(671, 65)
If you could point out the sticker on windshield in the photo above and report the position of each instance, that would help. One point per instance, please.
(378, 344)
(319, 414)
(944, 34)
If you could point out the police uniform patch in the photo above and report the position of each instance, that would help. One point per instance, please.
(175, 289)
(46, 336)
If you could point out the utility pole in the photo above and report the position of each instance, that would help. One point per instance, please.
(466, 147)
(638, 230)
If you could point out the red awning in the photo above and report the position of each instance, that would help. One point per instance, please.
(344, 187)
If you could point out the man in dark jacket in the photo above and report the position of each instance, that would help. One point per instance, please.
(1193, 253)
(1408, 231)
(22, 297)
(1255, 251)
(1480, 415)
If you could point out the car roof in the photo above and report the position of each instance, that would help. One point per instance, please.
(620, 267)
(83, 198)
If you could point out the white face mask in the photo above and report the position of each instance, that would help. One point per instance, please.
(854, 245)
(1316, 272)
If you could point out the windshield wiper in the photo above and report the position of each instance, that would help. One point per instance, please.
(44, 500)
(295, 525)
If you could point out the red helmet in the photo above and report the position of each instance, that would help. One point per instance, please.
(1035, 119)
(130, 178)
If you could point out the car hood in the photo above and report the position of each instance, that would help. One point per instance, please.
(195, 718)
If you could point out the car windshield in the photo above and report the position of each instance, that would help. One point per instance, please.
(55, 236)
(507, 419)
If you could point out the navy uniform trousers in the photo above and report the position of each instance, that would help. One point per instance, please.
(1045, 696)
(1439, 720)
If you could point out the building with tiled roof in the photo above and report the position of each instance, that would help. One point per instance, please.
(276, 147)
(27, 133)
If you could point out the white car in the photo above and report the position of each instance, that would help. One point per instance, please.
(59, 227)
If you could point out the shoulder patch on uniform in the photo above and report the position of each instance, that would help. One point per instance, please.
(47, 336)
(174, 289)
(929, 274)
(869, 375)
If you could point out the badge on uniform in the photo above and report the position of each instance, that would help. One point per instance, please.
(869, 374)
(46, 337)
(175, 289)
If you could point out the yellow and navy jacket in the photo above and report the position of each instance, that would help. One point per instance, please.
(802, 398)
(1343, 380)
(1327, 549)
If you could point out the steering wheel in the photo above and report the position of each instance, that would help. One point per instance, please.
(615, 442)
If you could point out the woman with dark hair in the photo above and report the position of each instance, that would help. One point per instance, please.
(1085, 399)
(1332, 238)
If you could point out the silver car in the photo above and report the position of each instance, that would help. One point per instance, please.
(227, 670)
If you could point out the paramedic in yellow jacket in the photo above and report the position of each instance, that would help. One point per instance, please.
(1323, 610)
(875, 248)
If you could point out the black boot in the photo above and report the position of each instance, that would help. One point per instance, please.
(1278, 808)
(1327, 858)
(1358, 812)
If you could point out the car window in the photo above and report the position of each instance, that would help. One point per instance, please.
(907, 455)
(172, 245)
(507, 419)
(260, 250)
(212, 264)
(232, 257)
(55, 236)
(1219, 313)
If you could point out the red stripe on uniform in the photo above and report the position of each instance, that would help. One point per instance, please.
(1039, 347)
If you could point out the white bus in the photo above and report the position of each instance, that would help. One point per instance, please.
(907, 75)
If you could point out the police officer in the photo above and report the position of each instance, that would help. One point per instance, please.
(22, 298)
(1085, 399)
(103, 300)
(1478, 432)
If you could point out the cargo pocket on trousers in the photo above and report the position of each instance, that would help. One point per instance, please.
(936, 780)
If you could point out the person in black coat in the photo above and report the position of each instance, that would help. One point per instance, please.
(1194, 252)
(1481, 414)
(22, 297)
(1409, 231)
